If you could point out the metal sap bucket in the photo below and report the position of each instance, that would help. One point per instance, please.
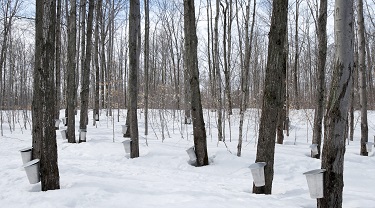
(124, 129)
(369, 146)
(63, 133)
(82, 134)
(127, 146)
(314, 149)
(191, 153)
(32, 171)
(257, 170)
(315, 182)
(57, 124)
(26, 154)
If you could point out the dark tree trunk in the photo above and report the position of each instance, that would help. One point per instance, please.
(362, 78)
(86, 73)
(191, 47)
(71, 71)
(322, 56)
(96, 59)
(272, 103)
(44, 101)
(146, 61)
(337, 107)
(134, 50)
(58, 59)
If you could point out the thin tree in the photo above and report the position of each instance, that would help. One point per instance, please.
(272, 102)
(219, 101)
(191, 47)
(322, 57)
(44, 100)
(85, 82)
(146, 60)
(362, 78)
(337, 107)
(245, 72)
(296, 57)
(134, 51)
(71, 72)
(58, 59)
(98, 19)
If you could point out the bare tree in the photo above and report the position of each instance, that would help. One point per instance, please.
(362, 77)
(134, 50)
(58, 59)
(337, 107)
(245, 72)
(85, 82)
(322, 56)
(44, 100)
(71, 71)
(272, 103)
(191, 47)
(146, 59)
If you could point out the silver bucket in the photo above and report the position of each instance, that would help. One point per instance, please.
(124, 129)
(314, 149)
(96, 117)
(369, 146)
(26, 154)
(82, 134)
(127, 145)
(64, 121)
(32, 171)
(257, 170)
(315, 183)
(191, 153)
(63, 133)
(57, 123)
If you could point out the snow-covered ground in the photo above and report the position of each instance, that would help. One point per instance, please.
(98, 173)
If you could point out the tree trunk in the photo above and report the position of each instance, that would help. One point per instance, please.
(362, 78)
(85, 82)
(96, 59)
(296, 59)
(337, 107)
(134, 50)
(44, 101)
(245, 73)
(272, 103)
(71, 71)
(219, 101)
(322, 56)
(146, 60)
(191, 47)
(58, 59)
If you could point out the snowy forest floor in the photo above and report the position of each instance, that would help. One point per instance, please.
(98, 173)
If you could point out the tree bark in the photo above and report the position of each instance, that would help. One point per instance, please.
(191, 47)
(134, 50)
(337, 107)
(71, 71)
(272, 103)
(58, 59)
(322, 56)
(362, 78)
(96, 59)
(146, 60)
(219, 101)
(44, 100)
(85, 82)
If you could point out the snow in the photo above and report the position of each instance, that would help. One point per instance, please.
(98, 173)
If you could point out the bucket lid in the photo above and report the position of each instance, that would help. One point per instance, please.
(313, 145)
(126, 141)
(314, 172)
(26, 149)
(32, 162)
(370, 143)
(257, 165)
